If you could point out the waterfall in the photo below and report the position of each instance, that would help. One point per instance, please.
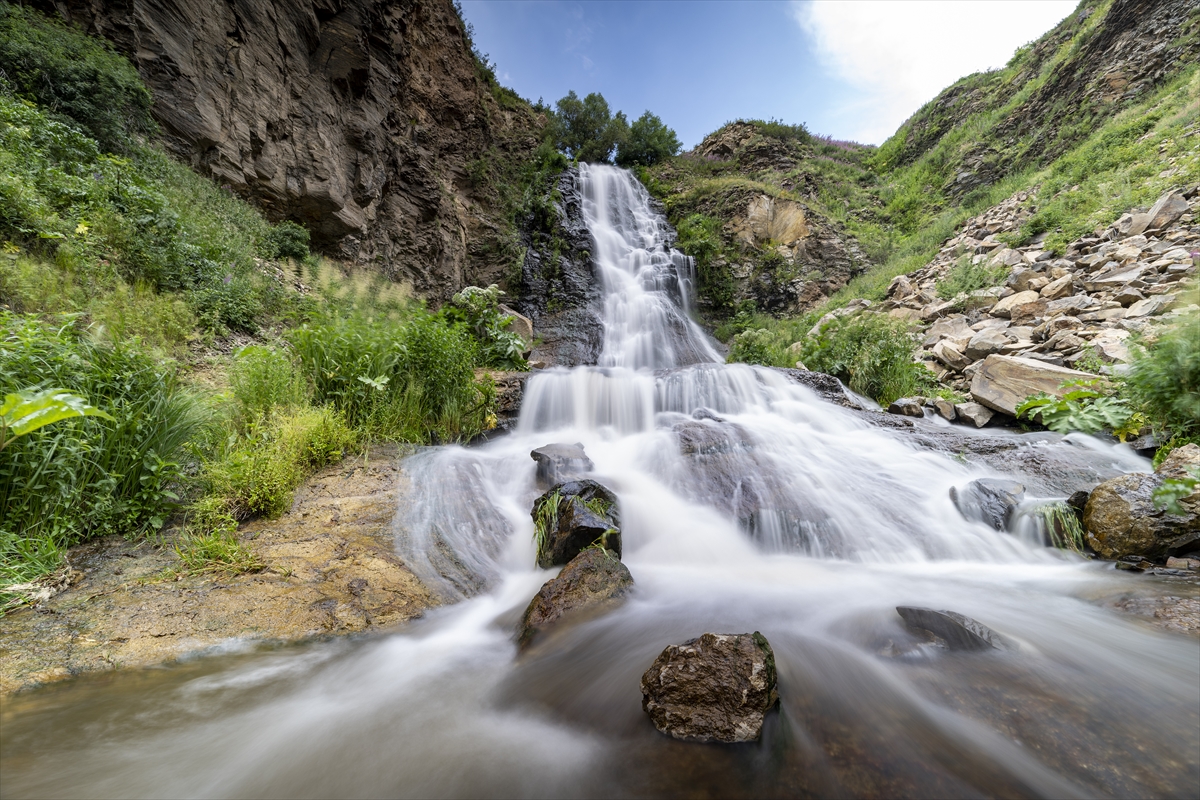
(747, 503)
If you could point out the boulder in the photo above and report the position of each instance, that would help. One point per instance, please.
(1120, 517)
(557, 463)
(1003, 382)
(1059, 288)
(1110, 345)
(716, 688)
(1170, 207)
(986, 342)
(1004, 307)
(1114, 278)
(590, 581)
(951, 630)
(988, 500)
(1150, 307)
(521, 325)
(908, 407)
(945, 409)
(573, 516)
(974, 413)
(948, 328)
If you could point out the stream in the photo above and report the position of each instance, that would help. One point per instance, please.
(747, 503)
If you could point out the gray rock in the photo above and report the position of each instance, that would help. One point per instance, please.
(986, 342)
(974, 413)
(945, 409)
(1169, 208)
(907, 407)
(573, 516)
(716, 688)
(521, 325)
(947, 353)
(1003, 382)
(1121, 519)
(1059, 288)
(591, 581)
(953, 630)
(1150, 307)
(557, 463)
(988, 500)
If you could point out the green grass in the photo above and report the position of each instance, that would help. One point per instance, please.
(968, 277)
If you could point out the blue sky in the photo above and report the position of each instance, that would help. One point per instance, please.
(853, 70)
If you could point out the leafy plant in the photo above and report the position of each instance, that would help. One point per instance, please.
(1164, 379)
(966, 276)
(287, 240)
(545, 519)
(1082, 407)
(1172, 490)
(647, 142)
(872, 354)
(479, 310)
(25, 412)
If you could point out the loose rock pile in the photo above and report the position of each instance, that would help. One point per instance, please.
(1053, 316)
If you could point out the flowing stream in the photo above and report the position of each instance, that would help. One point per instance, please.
(747, 503)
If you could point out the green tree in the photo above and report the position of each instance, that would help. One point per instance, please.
(649, 141)
(586, 129)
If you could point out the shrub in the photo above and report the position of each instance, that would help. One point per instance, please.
(75, 75)
(752, 347)
(287, 240)
(264, 379)
(870, 353)
(648, 142)
(479, 310)
(1164, 379)
(87, 477)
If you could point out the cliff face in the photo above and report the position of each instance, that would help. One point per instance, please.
(368, 121)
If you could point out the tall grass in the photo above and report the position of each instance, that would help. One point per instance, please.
(88, 477)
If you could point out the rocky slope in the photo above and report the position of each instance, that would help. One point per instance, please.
(370, 122)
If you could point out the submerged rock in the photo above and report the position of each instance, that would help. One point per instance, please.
(955, 631)
(590, 581)
(572, 516)
(557, 463)
(1120, 517)
(714, 688)
(988, 500)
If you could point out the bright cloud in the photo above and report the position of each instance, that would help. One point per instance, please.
(900, 54)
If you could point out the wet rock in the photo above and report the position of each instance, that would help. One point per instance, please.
(827, 387)
(954, 631)
(974, 413)
(988, 500)
(1121, 519)
(907, 407)
(1003, 382)
(573, 516)
(557, 463)
(590, 581)
(714, 688)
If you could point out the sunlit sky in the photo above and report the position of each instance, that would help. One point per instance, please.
(850, 69)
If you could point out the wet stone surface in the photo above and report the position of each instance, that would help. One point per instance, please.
(331, 569)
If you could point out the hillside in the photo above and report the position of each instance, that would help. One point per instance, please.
(370, 123)
(1092, 119)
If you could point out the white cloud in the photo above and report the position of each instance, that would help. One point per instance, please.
(901, 53)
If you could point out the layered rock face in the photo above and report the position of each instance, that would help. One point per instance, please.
(368, 121)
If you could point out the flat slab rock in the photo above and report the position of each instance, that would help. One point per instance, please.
(716, 688)
(1003, 382)
(955, 631)
(592, 580)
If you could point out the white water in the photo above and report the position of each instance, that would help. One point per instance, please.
(786, 514)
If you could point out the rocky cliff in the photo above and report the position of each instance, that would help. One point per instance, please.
(370, 122)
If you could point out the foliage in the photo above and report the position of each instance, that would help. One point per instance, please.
(74, 75)
(752, 347)
(545, 519)
(872, 354)
(700, 238)
(26, 412)
(405, 379)
(1062, 526)
(1164, 379)
(1172, 490)
(479, 310)
(1083, 406)
(287, 240)
(88, 476)
(586, 130)
(263, 379)
(966, 276)
(647, 142)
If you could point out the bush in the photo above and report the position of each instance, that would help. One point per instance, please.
(648, 142)
(479, 310)
(871, 354)
(752, 347)
(263, 380)
(287, 240)
(75, 75)
(88, 477)
(1164, 380)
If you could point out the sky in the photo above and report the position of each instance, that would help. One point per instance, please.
(851, 69)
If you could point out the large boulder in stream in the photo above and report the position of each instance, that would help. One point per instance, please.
(591, 581)
(572, 516)
(1121, 519)
(557, 463)
(716, 688)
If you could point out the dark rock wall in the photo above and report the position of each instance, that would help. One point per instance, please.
(360, 118)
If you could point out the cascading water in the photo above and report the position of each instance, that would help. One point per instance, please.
(747, 503)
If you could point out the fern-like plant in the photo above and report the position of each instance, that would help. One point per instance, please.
(1083, 407)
